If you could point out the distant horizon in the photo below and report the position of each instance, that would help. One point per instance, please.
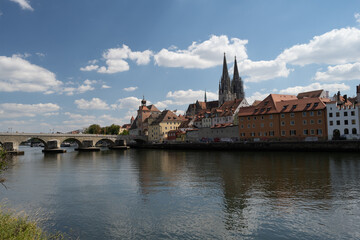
(66, 65)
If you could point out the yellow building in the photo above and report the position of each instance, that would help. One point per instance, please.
(159, 128)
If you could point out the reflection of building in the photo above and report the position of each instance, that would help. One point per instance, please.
(141, 123)
(285, 117)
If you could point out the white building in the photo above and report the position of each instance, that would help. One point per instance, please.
(343, 120)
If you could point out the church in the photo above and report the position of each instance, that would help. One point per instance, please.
(228, 91)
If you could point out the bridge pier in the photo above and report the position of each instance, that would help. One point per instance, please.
(119, 145)
(12, 148)
(53, 147)
(87, 146)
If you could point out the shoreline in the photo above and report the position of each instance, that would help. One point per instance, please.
(321, 146)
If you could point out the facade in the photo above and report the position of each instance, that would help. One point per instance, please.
(343, 118)
(140, 125)
(284, 117)
(165, 122)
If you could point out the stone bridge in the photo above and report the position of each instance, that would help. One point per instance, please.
(11, 141)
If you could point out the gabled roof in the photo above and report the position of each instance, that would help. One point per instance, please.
(231, 104)
(152, 108)
(166, 115)
(311, 94)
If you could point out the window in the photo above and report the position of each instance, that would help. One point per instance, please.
(312, 121)
(248, 118)
(292, 132)
(253, 125)
(304, 122)
(338, 122)
(354, 131)
(306, 132)
(259, 134)
(292, 114)
(262, 117)
(319, 132)
(352, 113)
(346, 122)
(252, 134)
(241, 119)
(282, 115)
(319, 121)
(345, 114)
(270, 124)
(319, 112)
(283, 133)
(282, 123)
(254, 118)
(346, 131)
(316, 104)
(242, 126)
(353, 121)
(304, 114)
(271, 133)
(165, 128)
(265, 134)
(248, 125)
(312, 132)
(271, 116)
(337, 114)
(312, 113)
(308, 105)
(330, 114)
(292, 122)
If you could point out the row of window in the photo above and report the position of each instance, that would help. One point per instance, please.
(292, 123)
(337, 114)
(306, 132)
(282, 115)
(346, 122)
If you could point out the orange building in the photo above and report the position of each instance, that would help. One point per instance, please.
(284, 117)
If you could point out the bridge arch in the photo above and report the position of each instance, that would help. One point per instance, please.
(108, 141)
(78, 142)
(39, 139)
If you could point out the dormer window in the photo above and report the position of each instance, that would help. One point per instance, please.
(294, 106)
(316, 104)
(308, 104)
(284, 107)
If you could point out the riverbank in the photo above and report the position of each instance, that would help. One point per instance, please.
(13, 226)
(323, 146)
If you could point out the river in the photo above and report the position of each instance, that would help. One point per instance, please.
(159, 194)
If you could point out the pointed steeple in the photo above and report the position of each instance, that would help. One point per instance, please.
(236, 71)
(237, 85)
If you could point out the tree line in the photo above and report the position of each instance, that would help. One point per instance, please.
(113, 129)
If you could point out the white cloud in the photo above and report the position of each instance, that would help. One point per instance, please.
(202, 55)
(256, 96)
(115, 60)
(263, 70)
(164, 104)
(89, 68)
(93, 61)
(130, 89)
(17, 74)
(357, 17)
(339, 46)
(182, 97)
(16, 110)
(85, 87)
(340, 73)
(315, 86)
(95, 103)
(131, 103)
(24, 4)
(39, 54)
(105, 86)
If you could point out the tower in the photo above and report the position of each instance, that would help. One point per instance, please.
(225, 93)
(205, 99)
(237, 84)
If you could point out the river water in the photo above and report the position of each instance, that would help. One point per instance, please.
(159, 194)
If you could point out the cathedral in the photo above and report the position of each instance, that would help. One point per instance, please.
(230, 90)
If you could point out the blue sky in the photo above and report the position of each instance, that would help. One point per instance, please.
(67, 64)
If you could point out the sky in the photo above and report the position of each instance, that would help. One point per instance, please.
(67, 64)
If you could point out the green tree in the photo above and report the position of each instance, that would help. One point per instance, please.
(125, 132)
(3, 164)
(93, 129)
(113, 129)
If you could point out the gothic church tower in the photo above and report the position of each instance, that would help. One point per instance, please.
(229, 91)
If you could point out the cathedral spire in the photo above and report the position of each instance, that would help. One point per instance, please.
(237, 84)
(225, 72)
(236, 71)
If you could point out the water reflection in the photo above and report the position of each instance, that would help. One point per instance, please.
(191, 194)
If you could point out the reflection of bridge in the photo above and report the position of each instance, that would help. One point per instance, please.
(11, 141)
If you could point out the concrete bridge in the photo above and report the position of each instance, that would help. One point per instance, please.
(52, 142)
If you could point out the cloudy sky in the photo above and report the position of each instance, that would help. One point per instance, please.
(67, 64)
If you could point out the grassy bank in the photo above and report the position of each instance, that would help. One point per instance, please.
(17, 227)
